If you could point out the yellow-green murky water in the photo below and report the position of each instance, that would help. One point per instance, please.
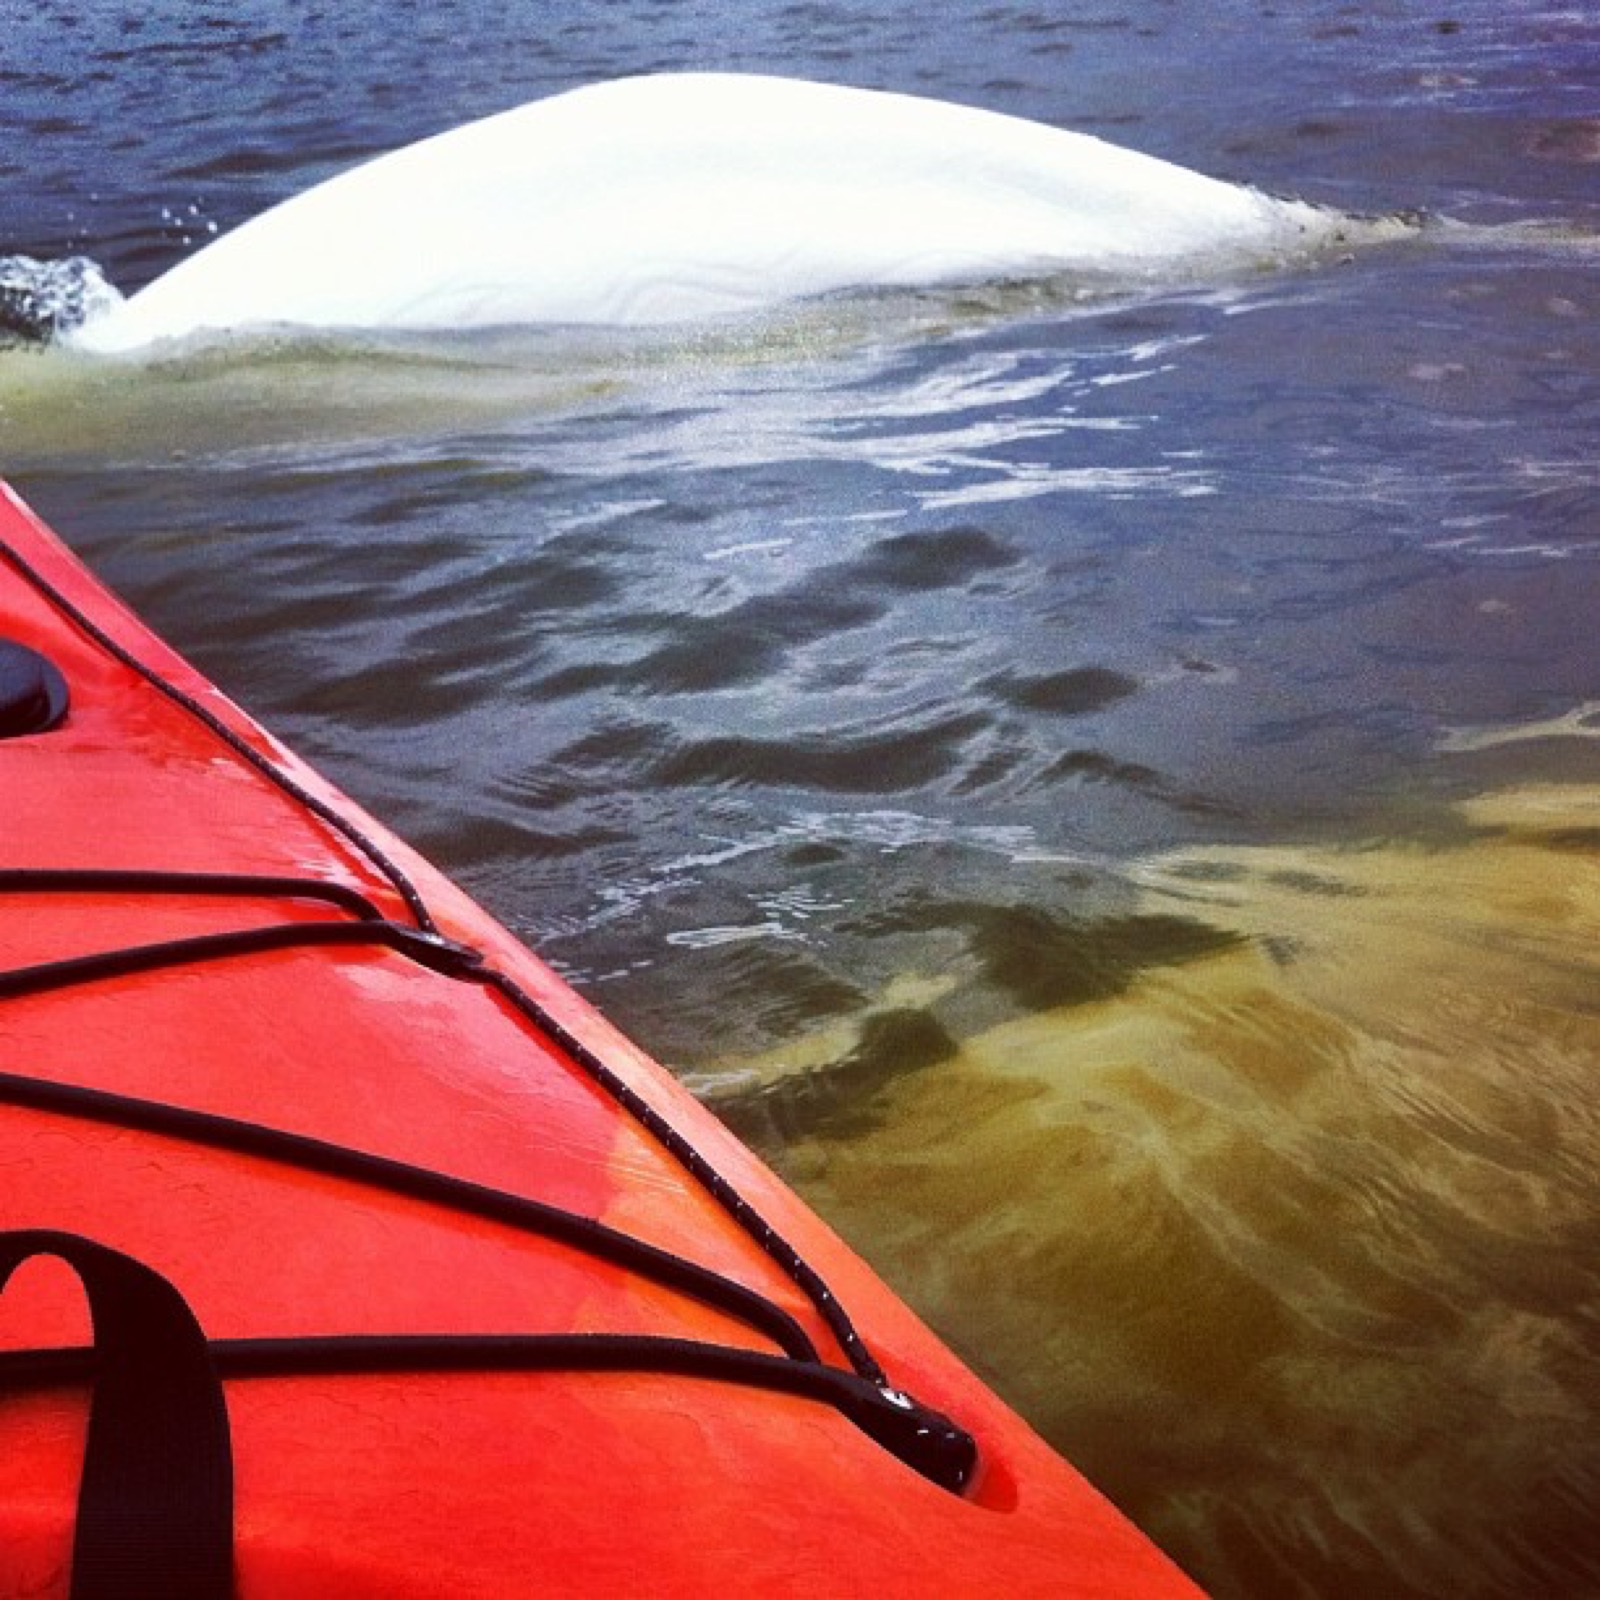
(1321, 1197)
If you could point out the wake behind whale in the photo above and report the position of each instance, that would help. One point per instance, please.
(687, 197)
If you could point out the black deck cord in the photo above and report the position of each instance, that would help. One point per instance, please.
(418, 1183)
(777, 1248)
(924, 1439)
(458, 961)
(268, 768)
(155, 1500)
(222, 885)
(441, 955)
(771, 1241)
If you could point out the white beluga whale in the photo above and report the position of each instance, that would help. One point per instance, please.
(690, 196)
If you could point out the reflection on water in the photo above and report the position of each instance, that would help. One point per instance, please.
(1271, 1201)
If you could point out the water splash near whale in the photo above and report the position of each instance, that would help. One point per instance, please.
(40, 300)
(694, 197)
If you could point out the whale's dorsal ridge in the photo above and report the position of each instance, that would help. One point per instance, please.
(682, 196)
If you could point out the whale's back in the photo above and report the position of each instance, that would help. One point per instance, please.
(683, 196)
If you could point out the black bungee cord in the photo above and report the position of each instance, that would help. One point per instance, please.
(922, 1437)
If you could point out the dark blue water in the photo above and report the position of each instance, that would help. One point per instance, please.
(1105, 796)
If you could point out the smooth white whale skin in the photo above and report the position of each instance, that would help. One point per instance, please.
(690, 196)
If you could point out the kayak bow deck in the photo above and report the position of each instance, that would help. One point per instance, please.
(418, 1276)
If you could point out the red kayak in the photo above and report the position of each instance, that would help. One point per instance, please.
(347, 1252)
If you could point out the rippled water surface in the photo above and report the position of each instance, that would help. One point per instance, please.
(1103, 793)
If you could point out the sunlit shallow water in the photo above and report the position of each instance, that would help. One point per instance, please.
(1103, 792)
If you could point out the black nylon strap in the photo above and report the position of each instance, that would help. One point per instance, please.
(155, 1505)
